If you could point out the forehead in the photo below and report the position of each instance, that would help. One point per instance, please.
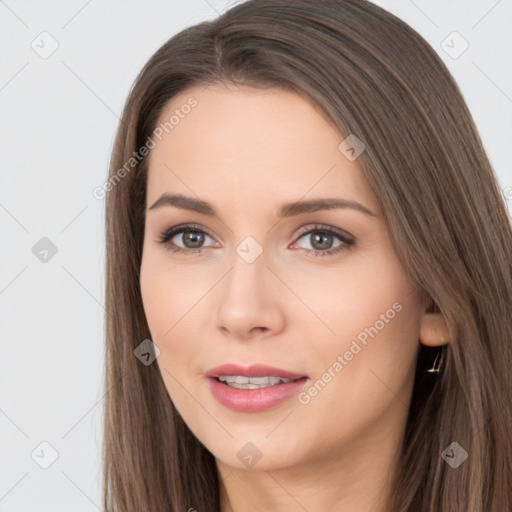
(240, 140)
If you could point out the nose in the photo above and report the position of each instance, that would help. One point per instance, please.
(251, 300)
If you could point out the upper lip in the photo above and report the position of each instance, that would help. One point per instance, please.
(255, 370)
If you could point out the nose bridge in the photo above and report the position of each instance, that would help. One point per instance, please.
(247, 299)
(248, 268)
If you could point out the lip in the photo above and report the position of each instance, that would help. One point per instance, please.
(253, 400)
(255, 370)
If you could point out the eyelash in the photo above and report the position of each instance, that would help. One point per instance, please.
(170, 233)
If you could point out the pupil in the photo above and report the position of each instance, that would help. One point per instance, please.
(195, 238)
(324, 236)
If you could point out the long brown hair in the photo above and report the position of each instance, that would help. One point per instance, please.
(373, 76)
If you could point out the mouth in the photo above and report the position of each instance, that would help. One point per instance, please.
(255, 388)
(251, 372)
(242, 382)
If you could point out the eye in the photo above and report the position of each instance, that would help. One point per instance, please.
(321, 239)
(192, 236)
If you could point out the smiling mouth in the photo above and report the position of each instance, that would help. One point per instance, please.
(242, 382)
(264, 388)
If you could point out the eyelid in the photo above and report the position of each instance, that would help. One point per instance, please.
(324, 227)
(169, 233)
(346, 238)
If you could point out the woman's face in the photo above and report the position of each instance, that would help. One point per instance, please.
(313, 291)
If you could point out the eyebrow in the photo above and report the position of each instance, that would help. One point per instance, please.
(285, 210)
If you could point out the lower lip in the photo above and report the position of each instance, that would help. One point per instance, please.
(254, 400)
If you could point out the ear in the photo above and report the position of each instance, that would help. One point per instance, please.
(433, 330)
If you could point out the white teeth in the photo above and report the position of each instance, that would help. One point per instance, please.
(242, 382)
(263, 380)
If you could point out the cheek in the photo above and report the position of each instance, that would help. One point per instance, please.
(172, 304)
(157, 299)
(166, 300)
(168, 294)
(359, 293)
(366, 370)
(371, 317)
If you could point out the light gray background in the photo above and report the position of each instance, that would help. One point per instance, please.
(58, 119)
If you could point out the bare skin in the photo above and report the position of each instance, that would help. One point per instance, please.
(246, 152)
